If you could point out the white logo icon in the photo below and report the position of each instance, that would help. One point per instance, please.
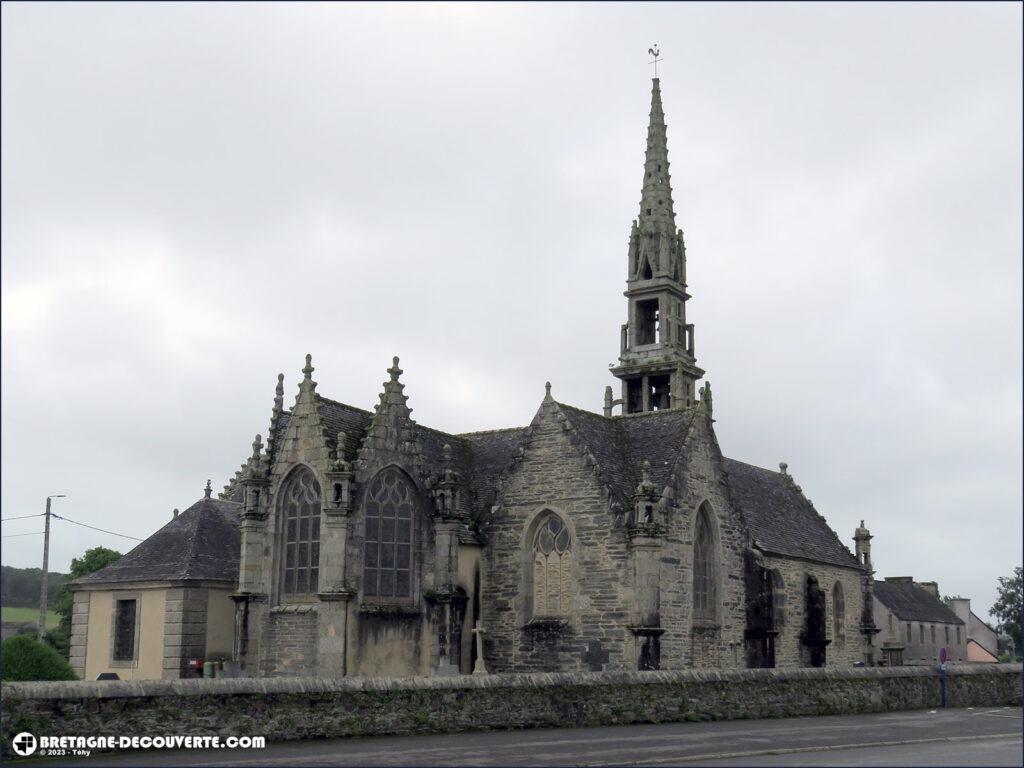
(24, 744)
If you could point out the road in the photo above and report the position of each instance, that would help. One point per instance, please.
(987, 736)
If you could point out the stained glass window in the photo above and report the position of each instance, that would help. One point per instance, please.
(300, 507)
(552, 568)
(703, 568)
(387, 550)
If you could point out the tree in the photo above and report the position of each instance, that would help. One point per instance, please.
(93, 560)
(24, 658)
(1008, 605)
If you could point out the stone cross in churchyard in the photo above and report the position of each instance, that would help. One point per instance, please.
(479, 668)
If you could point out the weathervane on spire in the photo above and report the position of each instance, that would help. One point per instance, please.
(655, 53)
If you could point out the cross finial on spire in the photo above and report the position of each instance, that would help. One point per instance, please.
(308, 369)
(656, 53)
(208, 490)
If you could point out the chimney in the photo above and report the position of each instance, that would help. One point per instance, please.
(900, 579)
(932, 587)
(961, 606)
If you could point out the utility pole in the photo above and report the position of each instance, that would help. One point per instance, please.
(46, 567)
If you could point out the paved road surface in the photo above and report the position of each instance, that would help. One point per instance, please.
(920, 738)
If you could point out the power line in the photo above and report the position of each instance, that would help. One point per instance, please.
(93, 527)
(12, 535)
(23, 517)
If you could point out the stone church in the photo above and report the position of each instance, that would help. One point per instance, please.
(360, 542)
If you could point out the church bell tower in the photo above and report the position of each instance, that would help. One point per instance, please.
(657, 365)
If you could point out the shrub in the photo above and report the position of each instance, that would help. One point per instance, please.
(22, 657)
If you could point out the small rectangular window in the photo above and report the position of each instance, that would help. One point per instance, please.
(921, 632)
(947, 635)
(124, 630)
(910, 636)
(958, 635)
(933, 634)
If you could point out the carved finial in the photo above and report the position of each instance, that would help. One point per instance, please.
(257, 448)
(394, 370)
(705, 395)
(547, 390)
(307, 371)
(783, 466)
(279, 389)
(174, 513)
(208, 490)
(646, 472)
(447, 453)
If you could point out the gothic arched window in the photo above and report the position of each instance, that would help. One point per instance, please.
(704, 568)
(838, 614)
(387, 549)
(300, 514)
(552, 568)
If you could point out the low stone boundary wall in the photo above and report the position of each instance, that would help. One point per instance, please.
(301, 708)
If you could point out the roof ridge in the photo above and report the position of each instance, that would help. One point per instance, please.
(489, 431)
(190, 552)
(435, 431)
(752, 466)
(332, 401)
(582, 410)
(639, 414)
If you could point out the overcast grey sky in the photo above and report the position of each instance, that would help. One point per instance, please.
(195, 196)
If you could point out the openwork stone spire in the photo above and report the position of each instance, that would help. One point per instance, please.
(656, 199)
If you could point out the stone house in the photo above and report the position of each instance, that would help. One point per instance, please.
(914, 624)
(369, 544)
(165, 603)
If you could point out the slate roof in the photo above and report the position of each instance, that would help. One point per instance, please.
(201, 543)
(492, 453)
(338, 417)
(780, 519)
(622, 444)
(911, 602)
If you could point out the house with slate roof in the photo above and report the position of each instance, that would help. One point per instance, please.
(164, 604)
(915, 624)
(360, 542)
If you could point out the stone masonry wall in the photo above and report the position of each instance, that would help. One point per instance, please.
(79, 632)
(553, 475)
(184, 629)
(846, 650)
(698, 481)
(289, 640)
(306, 708)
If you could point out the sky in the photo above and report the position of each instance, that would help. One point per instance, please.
(194, 196)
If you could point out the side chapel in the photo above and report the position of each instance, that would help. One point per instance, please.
(363, 543)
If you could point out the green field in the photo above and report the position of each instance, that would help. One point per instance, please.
(28, 614)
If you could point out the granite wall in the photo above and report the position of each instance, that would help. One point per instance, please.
(302, 708)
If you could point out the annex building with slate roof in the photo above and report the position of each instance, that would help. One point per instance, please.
(914, 624)
(360, 542)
